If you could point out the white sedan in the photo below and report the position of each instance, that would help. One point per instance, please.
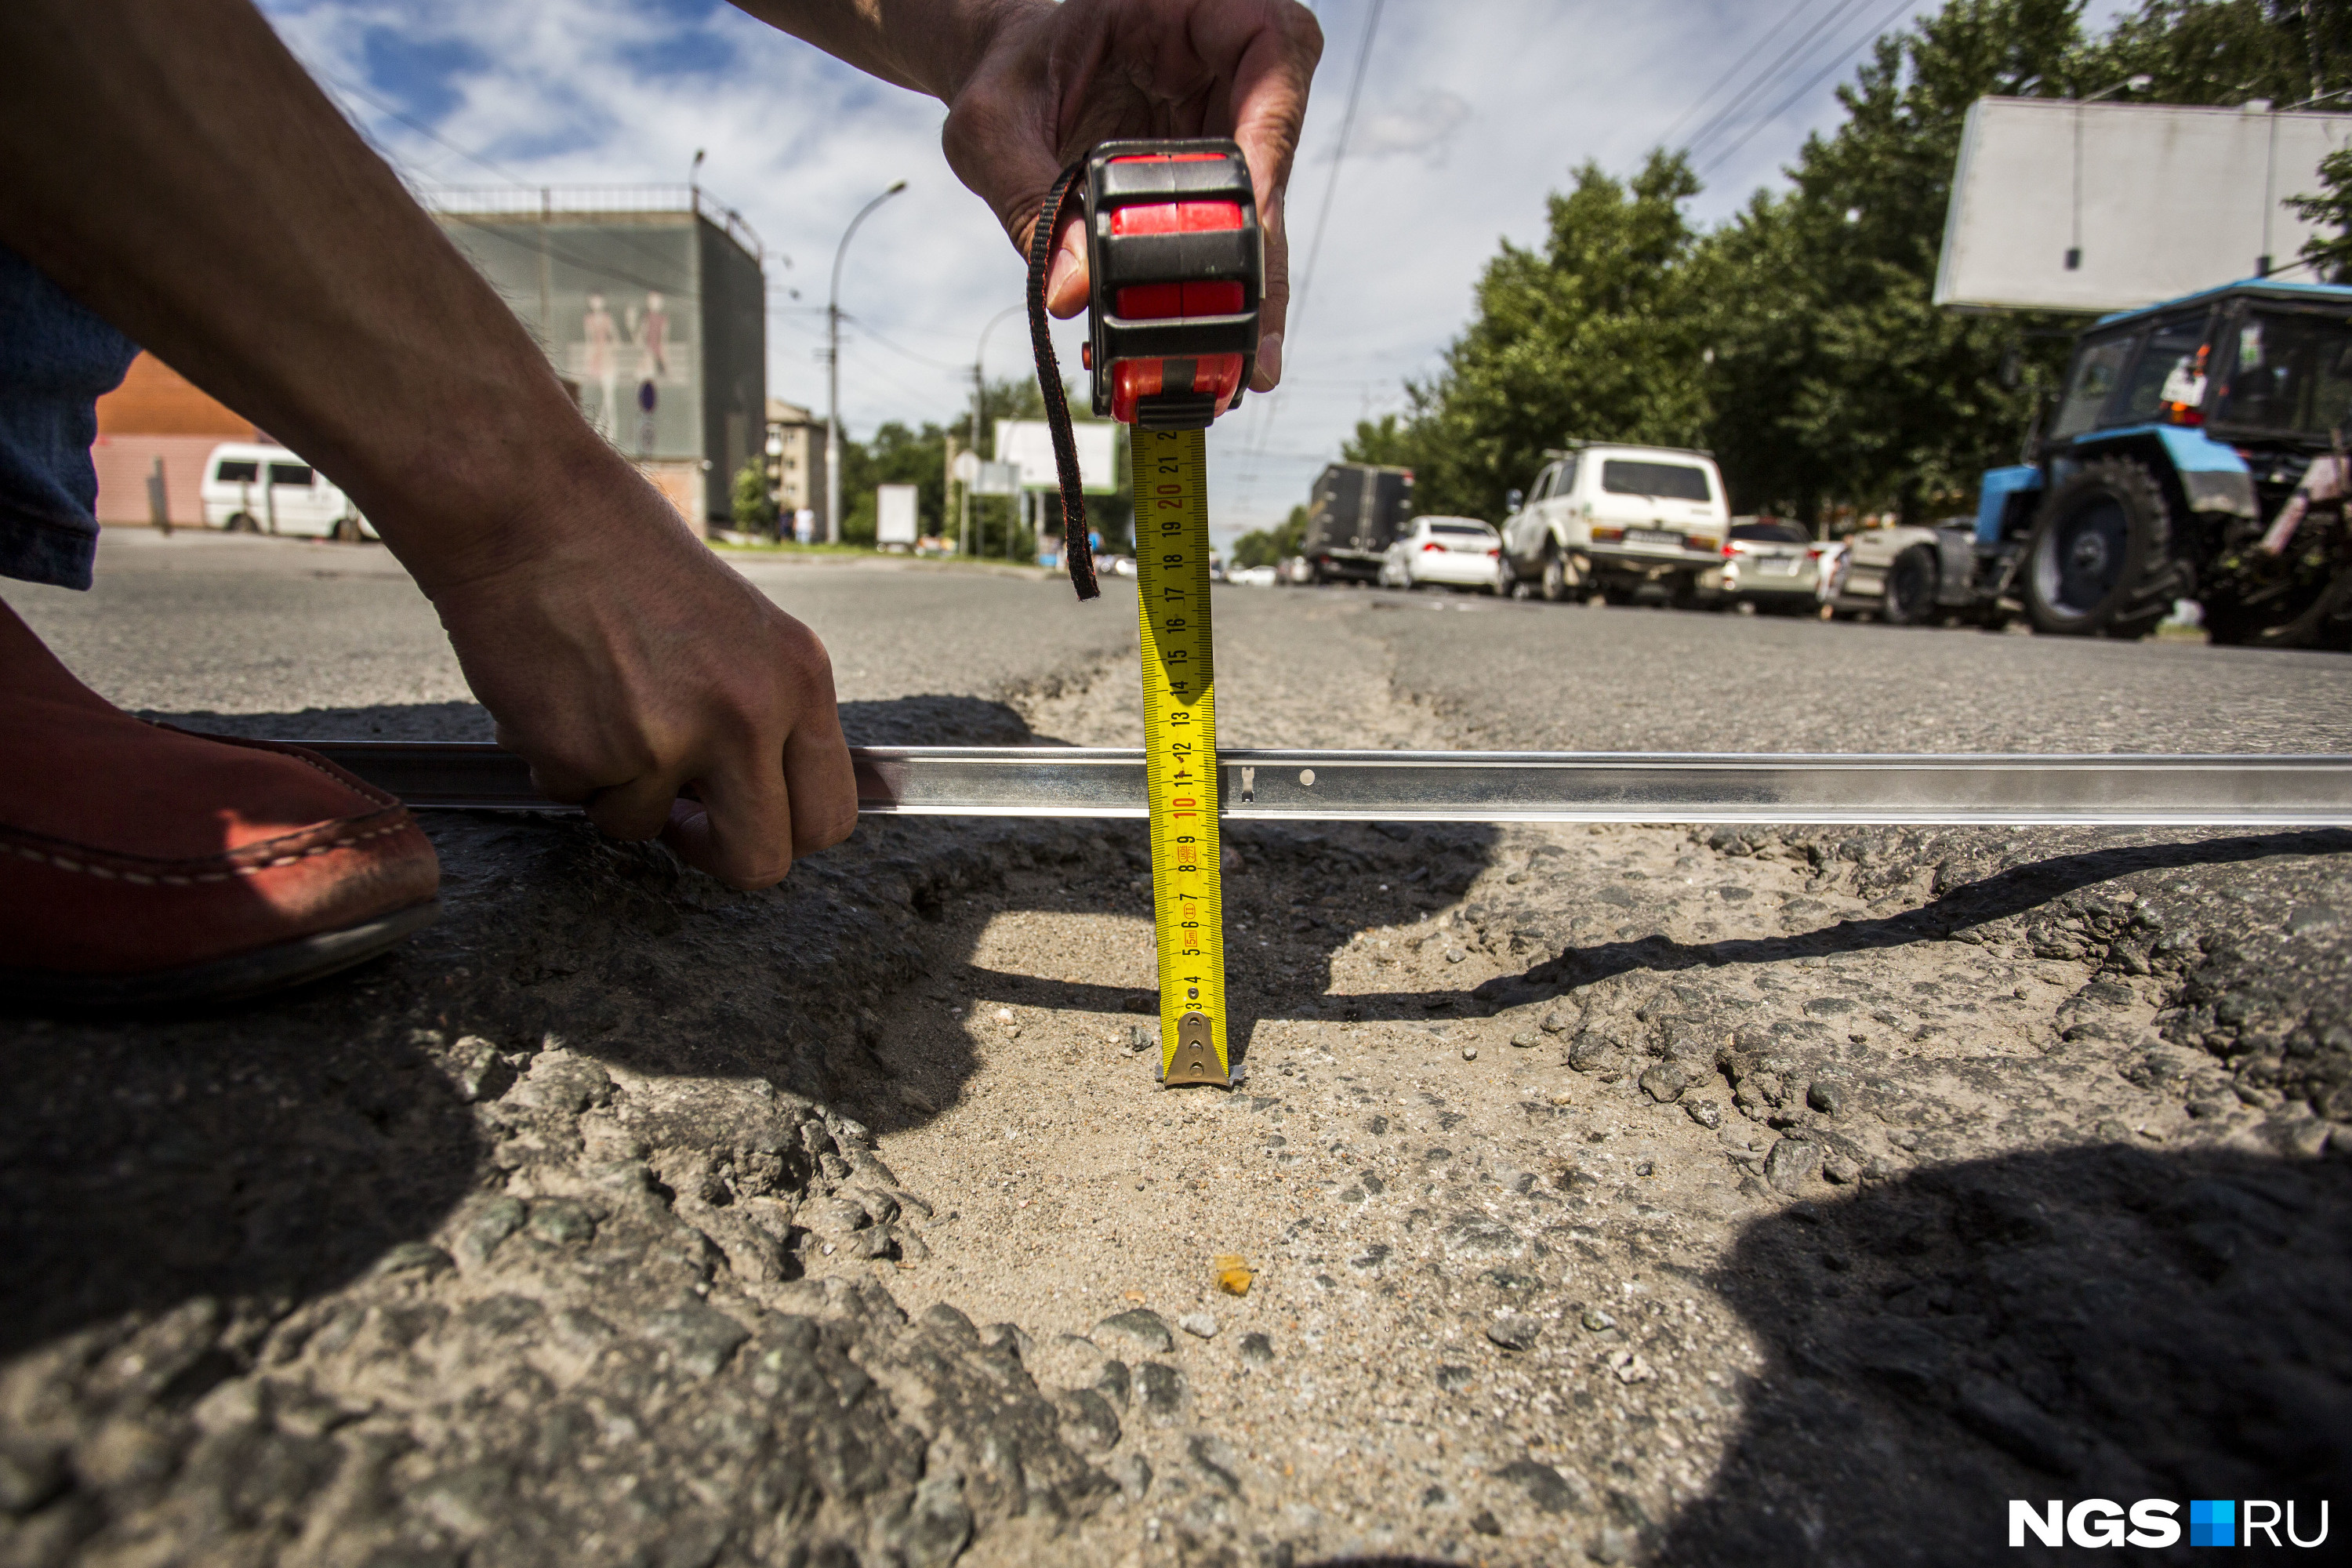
(1457, 551)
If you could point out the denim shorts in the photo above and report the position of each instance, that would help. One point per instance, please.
(56, 358)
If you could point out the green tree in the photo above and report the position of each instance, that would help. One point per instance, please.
(1835, 381)
(1271, 547)
(2330, 254)
(2225, 52)
(896, 455)
(753, 507)
(1798, 340)
(1389, 442)
(1596, 334)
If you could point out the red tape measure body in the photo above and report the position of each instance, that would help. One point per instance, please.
(1178, 270)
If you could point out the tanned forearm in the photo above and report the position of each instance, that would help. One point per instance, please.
(175, 168)
(929, 45)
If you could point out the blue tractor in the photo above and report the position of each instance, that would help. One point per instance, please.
(2196, 452)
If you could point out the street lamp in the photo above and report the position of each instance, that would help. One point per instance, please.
(978, 390)
(833, 372)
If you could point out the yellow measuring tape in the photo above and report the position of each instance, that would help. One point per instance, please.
(1171, 469)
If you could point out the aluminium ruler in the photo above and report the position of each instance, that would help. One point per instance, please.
(1967, 790)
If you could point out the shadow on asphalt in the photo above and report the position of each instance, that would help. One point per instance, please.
(163, 1163)
(2106, 1322)
(2009, 892)
(272, 1152)
(2093, 1322)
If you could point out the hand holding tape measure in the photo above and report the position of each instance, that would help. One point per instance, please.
(1178, 265)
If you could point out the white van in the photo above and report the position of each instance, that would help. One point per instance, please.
(249, 488)
(1618, 518)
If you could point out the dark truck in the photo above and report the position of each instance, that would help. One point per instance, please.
(2197, 453)
(1355, 514)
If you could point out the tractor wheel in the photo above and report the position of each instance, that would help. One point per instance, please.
(1910, 597)
(1555, 584)
(2100, 559)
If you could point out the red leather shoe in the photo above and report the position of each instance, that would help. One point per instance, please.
(143, 865)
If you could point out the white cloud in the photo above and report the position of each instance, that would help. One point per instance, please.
(1423, 124)
(1471, 114)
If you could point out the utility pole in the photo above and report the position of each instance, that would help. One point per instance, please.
(979, 395)
(965, 547)
(947, 470)
(833, 372)
(546, 275)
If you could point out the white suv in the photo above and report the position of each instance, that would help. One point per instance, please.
(1618, 519)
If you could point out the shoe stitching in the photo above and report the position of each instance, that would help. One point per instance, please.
(166, 879)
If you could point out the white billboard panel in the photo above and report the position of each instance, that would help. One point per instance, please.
(2061, 206)
(1030, 443)
(893, 514)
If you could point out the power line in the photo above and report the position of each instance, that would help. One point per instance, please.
(1846, 54)
(421, 128)
(1323, 218)
(1746, 59)
(1770, 77)
(631, 241)
(537, 244)
(899, 349)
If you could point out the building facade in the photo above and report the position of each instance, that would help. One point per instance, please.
(795, 449)
(651, 303)
(158, 425)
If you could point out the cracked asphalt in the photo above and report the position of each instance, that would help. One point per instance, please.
(1616, 1196)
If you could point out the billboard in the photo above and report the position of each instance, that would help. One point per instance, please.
(617, 302)
(1030, 443)
(893, 514)
(2061, 205)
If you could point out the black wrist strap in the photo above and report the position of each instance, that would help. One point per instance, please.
(1077, 548)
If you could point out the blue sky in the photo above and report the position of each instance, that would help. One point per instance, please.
(1469, 114)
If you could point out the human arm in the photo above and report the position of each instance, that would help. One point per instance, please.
(177, 170)
(1030, 85)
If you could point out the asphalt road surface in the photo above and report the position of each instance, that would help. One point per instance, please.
(1612, 1194)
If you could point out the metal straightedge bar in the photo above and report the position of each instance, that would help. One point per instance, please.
(1990, 791)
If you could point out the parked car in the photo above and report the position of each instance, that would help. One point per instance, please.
(1619, 519)
(1253, 577)
(1775, 566)
(1453, 551)
(253, 487)
(1893, 572)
